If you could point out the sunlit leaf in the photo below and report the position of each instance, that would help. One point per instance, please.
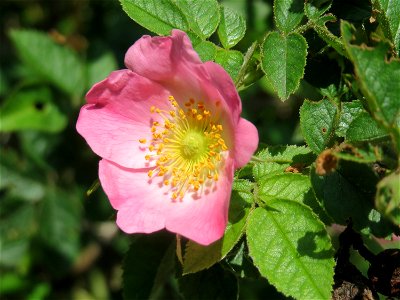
(159, 16)
(378, 80)
(203, 16)
(230, 60)
(317, 121)
(231, 28)
(283, 58)
(291, 248)
(288, 14)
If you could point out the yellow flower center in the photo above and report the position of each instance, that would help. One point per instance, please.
(187, 147)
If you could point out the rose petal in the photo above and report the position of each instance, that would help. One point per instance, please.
(157, 57)
(246, 142)
(129, 95)
(146, 207)
(204, 220)
(113, 136)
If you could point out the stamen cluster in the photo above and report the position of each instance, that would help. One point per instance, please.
(187, 147)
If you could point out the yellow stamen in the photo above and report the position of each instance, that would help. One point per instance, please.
(188, 147)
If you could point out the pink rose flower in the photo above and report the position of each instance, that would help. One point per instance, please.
(170, 135)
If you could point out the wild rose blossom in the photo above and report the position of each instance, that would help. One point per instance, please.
(170, 135)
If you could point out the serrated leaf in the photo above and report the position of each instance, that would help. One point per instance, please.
(159, 16)
(389, 18)
(317, 122)
(364, 128)
(283, 59)
(203, 16)
(288, 14)
(350, 110)
(316, 8)
(290, 186)
(231, 28)
(198, 257)
(378, 80)
(214, 283)
(230, 60)
(31, 109)
(206, 50)
(387, 198)
(54, 63)
(100, 68)
(284, 186)
(276, 159)
(291, 248)
(141, 264)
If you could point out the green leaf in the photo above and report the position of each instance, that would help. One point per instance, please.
(206, 50)
(378, 80)
(387, 198)
(60, 223)
(214, 283)
(198, 257)
(18, 181)
(203, 16)
(362, 153)
(325, 34)
(341, 199)
(283, 59)
(276, 159)
(316, 8)
(142, 263)
(54, 63)
(230, 60)
(31, 109)
(159, 16)
(15, 232)
(289, 245)
(317, 122)
(388, 13)
(350, 110)
(284, 186)
(101, 68)
(364, 128)
(231, 28)
(288, 14)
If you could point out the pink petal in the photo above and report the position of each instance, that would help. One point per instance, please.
(130, 95)
(246, 142)
(146, 207)
(113, 136)
(141, 207)
(180, 70)
(120, 115)
(204, 220)
(157, 57)
(220, 80)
